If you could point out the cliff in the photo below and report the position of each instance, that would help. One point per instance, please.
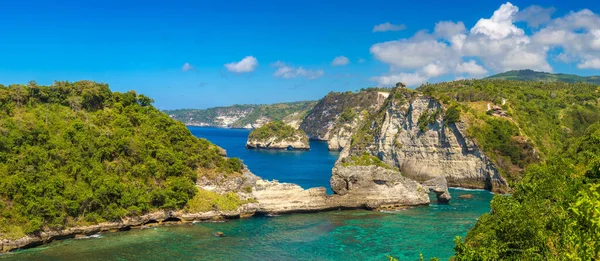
(242, 116)
(409, 133)
(277, 135)
(335, 117)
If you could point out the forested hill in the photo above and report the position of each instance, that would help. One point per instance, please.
(530, 75)
(546, 137)
(77, 154)
(243, 116)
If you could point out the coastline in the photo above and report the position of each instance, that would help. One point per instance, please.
(164, 218)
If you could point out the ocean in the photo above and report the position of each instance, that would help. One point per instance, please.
(335, 235)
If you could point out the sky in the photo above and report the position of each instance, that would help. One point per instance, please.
(200, 53)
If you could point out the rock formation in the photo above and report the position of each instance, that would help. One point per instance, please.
(415, 138)
(279, 136)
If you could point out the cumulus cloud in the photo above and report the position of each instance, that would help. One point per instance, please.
(248, 64)
(577, 35)
(287, 71)
(340, 61)
(535, 15)
(494, 44)
(434, 70)
(410, 79)
(385, 27)
(448, 29)
(186, 67)
(471, 68)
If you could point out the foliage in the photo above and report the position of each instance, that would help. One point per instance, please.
(279, 131)
(77, 153)
(554, 213)
(248, 113)
(452, 114)
(427, 118)
(338, 109)
(364, 160)
(205, 200)
(544, 117)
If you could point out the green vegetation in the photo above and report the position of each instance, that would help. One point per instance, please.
(278, 130)
(77, 153)
(338, 109)
(549, 146)
(452, 114)
(544, 117)
(205, 200)
(248, 113)
(364, 160)
(427, 118)
(554, 213)
(530, 75)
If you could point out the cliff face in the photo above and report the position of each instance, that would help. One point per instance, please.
(415, 138)
(335, 117)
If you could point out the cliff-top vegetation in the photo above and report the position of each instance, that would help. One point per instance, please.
(75, 153)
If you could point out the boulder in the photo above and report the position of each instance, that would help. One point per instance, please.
(440, 187)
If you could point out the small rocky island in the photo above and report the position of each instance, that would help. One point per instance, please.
(277, 135)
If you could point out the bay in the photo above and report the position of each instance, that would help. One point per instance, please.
(335, 235)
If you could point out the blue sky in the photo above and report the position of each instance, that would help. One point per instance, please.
(177, 51)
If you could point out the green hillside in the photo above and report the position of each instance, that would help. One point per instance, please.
(530, 75)
(548, 145)
(77, 154)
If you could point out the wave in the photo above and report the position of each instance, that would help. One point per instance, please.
(90, 236)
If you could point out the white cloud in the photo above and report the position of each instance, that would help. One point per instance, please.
(340, 61)
(410, 79)
(593, 63)
(388, 27)
(577, 34)
(535, 15)
(287, 72)
(361, 60)
(471, 68)
(434, 70)
(500, 25)
(448, 29)
(496, 42)
(412, 53)
(248, 64)
(186, 67)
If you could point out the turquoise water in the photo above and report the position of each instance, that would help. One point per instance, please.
(336, 235)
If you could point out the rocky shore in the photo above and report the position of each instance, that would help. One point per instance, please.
(273, 144)
(355, 187)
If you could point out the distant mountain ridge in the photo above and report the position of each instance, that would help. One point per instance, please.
(531, 75)
(243, 115)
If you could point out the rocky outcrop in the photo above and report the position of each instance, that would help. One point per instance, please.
(273, 143)
(433, 148)
(377, 184)
(440, 187)
(322, 122)
(277, 135)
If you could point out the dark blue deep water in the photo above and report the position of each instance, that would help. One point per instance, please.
(336, 235)
(306, 168)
